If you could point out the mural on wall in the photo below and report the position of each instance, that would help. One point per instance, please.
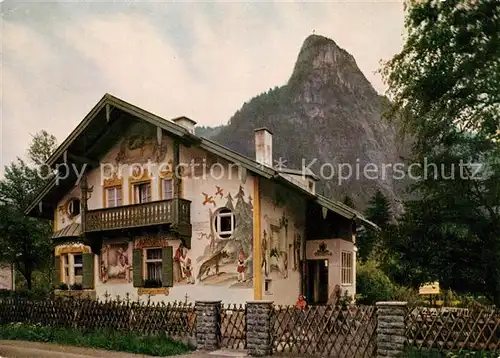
(183, 269)
(228, 260)
(208, 199)
(274, 247)
(116, 263)
(141, 144)
(281, 241)
(296, 251)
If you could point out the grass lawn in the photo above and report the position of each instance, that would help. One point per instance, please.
(101, 339)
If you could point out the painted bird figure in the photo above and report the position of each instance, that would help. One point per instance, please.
(208, 199)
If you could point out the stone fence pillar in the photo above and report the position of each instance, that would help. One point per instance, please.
(391, 335)
(259, 330)
(208, 323)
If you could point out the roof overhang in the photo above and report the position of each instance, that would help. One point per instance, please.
(72, 230)
(110, 109)
(344, 210)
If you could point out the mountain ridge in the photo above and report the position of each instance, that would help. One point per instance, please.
(334, 116)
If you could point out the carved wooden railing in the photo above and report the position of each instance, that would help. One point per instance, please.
(173, 211)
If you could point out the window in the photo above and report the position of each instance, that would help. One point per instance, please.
(78, 268)
(267, 286)
(65, 263)
(346, 268)
(154, 264)
(224, 223)
(74, 207)
(167, 189)
(72, 269)
(114, 196)
(142, 193)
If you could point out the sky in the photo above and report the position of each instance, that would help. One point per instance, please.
(198, 59)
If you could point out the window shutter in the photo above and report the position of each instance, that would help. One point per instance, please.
(137, 268)
(88, 270)
(57, 271)
(168, 266)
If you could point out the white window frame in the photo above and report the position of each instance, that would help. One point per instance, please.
(75, 266)
(220, 215)
(146, 261)
(66, 276)
(67, 262)
(346, 267)
(138, 192)
(164, 191)
(71, 208)
(113, 199)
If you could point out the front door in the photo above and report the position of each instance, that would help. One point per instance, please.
(317, 282)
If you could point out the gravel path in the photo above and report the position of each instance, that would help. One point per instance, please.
(18, 349)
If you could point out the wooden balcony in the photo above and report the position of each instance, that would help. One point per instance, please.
(176, 212)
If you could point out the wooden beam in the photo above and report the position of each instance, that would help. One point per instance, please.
(77, 159)
(159, 135)
(108, 112)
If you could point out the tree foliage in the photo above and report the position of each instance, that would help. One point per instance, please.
(372, 284)
(378, 212)
(445, 87)
(25, 241)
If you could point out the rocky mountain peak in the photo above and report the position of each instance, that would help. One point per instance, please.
(323, 63)
(329, 114)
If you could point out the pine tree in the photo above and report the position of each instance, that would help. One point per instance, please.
(348, 201)
(378, 212)
(229, 203)
(243, 216)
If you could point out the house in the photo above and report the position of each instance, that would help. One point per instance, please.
(7, 277)
(143, 207)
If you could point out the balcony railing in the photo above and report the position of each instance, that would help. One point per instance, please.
(173, 211)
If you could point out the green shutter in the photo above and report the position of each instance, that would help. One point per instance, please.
(168, 266)
(137, 267)
(57, 271)
(88, 270)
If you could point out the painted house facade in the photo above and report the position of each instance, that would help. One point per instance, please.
(144, 208)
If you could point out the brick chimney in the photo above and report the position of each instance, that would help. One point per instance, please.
(264, 147)
(185, 122)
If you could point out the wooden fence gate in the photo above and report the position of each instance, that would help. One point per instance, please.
(233, 326)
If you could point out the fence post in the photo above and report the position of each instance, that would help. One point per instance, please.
(391, 335)
(259, 330)
(208, 325)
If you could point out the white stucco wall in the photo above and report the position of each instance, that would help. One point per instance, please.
(335, 247)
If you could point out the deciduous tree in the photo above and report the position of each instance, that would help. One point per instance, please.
(445, 92)
(25, 241)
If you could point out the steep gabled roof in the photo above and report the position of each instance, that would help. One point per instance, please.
(109, 117)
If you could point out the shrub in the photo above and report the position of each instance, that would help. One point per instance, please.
(373, 284)
(76, 287)
(407, 294)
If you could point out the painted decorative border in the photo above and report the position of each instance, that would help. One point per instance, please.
(152, 291)
(153, 241)
(67, 249)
